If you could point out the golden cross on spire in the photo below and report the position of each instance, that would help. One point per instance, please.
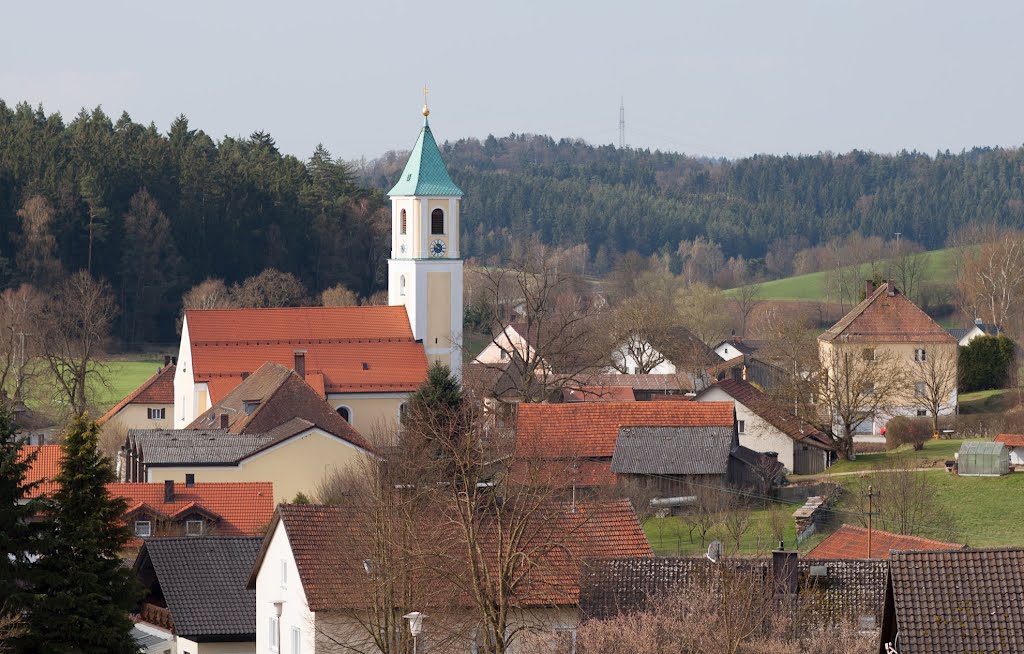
(426, 110)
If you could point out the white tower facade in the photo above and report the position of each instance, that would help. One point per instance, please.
(425, 267)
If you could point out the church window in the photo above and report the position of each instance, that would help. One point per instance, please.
(401, 285)
(345, 413)
(437, 222)
(405, 222)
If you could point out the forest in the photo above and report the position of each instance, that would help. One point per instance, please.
(154, 214)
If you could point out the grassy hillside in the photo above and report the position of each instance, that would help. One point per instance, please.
(811, 287)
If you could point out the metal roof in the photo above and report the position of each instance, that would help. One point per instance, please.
(191, 446)
(672, 450)
(425, 172)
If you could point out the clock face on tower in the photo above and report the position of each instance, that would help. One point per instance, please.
(438, 248)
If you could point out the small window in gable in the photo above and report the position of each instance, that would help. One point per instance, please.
(284, 573)
(437, 221)
(194, 527)
(741, 426)
(345, 413)
(143, 528)
(156, 414)
(296, 640)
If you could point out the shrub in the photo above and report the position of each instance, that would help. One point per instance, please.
(903, 430)
(985, 363)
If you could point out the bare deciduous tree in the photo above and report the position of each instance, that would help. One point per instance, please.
(641, 331)
(339, 296)
(75, 326)
(37, 258)
(907, 268)
(746, 298)
(904, 502)
(270, 288)
(991, 280)
(702, 311)
(19, 338)
(935, 382)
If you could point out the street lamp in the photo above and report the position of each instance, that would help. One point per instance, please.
(415, 626)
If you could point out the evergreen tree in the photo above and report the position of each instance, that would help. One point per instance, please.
(18, 536)
(84, 590)
(434, 420)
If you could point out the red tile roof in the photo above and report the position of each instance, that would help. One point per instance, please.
(353, 349)
(243, 508)
(44, 468)
(158, 389)
(850, 542)
(1011, 440)
(329, 551)
(886, 317)
(589, 429)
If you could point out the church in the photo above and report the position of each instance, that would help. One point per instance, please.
(363, 360)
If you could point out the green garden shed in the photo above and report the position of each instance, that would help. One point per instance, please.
(983, 459)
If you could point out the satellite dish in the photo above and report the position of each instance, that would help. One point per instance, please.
(714, 551)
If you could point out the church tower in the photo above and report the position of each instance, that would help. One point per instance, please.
(425, 268)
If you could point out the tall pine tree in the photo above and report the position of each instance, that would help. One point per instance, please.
(18, 535)
(84, 591)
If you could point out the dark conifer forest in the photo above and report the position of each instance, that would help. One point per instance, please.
(155, 213)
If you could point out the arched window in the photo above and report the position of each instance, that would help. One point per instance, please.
(437, 222)
(401, 285)
(402, 408)
(405, 222)
(345, 413)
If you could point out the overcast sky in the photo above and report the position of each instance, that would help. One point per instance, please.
(715, 77)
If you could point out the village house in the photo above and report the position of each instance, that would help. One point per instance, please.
(763, 427)
(272, 426)
(658, 445)
(954, 601)
(850, 542)
(964, 335)
(196, 595)
(150, 406)
(314, 579)
(888, 327)
(1015, 444)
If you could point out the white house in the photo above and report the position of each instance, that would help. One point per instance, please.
(1015, 443)
(316, 590)
(800, 447)
(964, 335)
(638, 356)
(511, 339)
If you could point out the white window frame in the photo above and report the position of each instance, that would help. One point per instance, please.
(190, 523)
(741, 426)
(275, 633)
(920, 354)
(149, 528)
(351, 413)
(296, 640)
(156, 413)
(284, 574)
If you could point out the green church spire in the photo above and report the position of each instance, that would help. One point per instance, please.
(425, 172)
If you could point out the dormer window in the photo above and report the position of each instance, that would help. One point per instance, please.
(194, 527)
(437, 221)
(249, 406)
(143, 528)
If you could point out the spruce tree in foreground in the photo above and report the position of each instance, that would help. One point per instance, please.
(18, 536)
(84, 591)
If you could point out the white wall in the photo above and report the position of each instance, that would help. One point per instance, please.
(291, 598)
(727, 351)
(508, 340)
(758, 434)
(186, 646)
(625, 360)
(184, 385)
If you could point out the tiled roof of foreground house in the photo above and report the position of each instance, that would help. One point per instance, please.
(331, 544)
(751, 397)
(270, 398)
(887, 316)
(851, 542)
(956, 601)
(590, 429)
(202, 580)
(1010, 440)
(158, 389)
(353, 349)
(840, 589)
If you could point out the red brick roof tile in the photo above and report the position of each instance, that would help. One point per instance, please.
(850, 542)
(353, 349)
(158, 389)
(599, 394)
(45, 467)
(886, 317)
(589, 429)
(1011, 440)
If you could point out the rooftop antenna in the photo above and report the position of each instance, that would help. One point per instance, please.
(622, 123)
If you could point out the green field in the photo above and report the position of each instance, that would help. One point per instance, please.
(934, 454)
(123, 377)
(811, 287)
(671, 536)
(993, 401)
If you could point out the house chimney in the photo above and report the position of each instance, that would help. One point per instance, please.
(168, 491)
(785, 573)
(892, 288)
(174, 361)
(223, 421)
(300, 363)
(869, 287)
(167, 360)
